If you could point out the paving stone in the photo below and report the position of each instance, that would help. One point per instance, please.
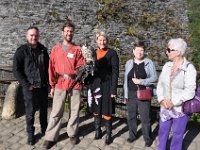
(90, 135)
(7, 136)
(99, 143)
(16, 146)
(27, 147)
(139, 143)
(114, 146)
(155, 143)
(23, 140)
(17, 130)
(190, 146)
(2, 147)
(93, 148)
(111, 147)
(14, 137)
(119, 140)
(68, 146)
(85, 143)
(126, 147)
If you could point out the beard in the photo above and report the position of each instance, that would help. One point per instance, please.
(68, 38)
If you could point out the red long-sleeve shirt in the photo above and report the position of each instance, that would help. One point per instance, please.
(64, 62)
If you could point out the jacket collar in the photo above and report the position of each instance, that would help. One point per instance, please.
(146, 61)
(183, 66)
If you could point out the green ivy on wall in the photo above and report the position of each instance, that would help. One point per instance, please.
(137, 23)
(194, 28)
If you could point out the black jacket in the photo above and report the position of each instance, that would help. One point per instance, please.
(24, 66)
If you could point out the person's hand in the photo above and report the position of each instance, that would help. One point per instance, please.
(170, 104)
(52, 91)
(164, 103)
(167, 104)
(136, 81)
(30, 88)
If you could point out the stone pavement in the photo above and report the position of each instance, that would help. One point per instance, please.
(13, 136)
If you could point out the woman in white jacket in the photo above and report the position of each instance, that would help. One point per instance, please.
(176, 84)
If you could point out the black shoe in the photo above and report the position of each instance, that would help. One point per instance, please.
(97, 125)
(98, 134)
(108, 139)
(48, 144)
(31, 141)
(130, 140)
(73, 140)
(42, 133)
(149, 143)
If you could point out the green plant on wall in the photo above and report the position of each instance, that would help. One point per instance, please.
(116, 10)
(53, 14)
(132, 31)
(126, 19)
(110, 9)
(123, 58)
(114, 42)
(175, 25)
(146, 20)
(194, 28)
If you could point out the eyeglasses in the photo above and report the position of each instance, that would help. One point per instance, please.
(170, 50)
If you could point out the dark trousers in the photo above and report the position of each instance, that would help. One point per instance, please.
(35, 99)
(143, 107)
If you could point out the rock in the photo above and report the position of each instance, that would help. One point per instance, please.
(9, 106)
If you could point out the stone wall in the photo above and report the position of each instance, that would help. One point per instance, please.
(125, 21)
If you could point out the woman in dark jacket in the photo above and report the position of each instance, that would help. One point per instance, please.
(139, 73)
(103, 86)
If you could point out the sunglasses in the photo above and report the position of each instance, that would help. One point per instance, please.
(170, 50)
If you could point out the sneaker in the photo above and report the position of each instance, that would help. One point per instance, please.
(73, 140)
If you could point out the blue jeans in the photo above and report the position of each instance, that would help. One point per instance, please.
(178, 126)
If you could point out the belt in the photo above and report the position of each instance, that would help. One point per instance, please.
(67, 76)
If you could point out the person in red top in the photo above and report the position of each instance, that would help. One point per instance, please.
(65, 58)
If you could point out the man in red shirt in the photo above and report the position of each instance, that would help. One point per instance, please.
(65, 58)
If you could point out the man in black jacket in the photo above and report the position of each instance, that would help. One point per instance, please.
(30, 68)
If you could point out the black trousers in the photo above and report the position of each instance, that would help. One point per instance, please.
(35, 99)
(143, 107)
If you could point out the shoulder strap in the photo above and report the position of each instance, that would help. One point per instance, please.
(187, 67)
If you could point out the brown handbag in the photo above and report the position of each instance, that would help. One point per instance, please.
(144, 94)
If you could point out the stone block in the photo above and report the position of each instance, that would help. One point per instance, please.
(13, 102)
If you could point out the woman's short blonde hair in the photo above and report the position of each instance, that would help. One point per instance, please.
(178, 44)
(101, 33)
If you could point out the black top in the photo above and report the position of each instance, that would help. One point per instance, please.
(26, 65)
(105, 77)
(140, 74)
(38, 64)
